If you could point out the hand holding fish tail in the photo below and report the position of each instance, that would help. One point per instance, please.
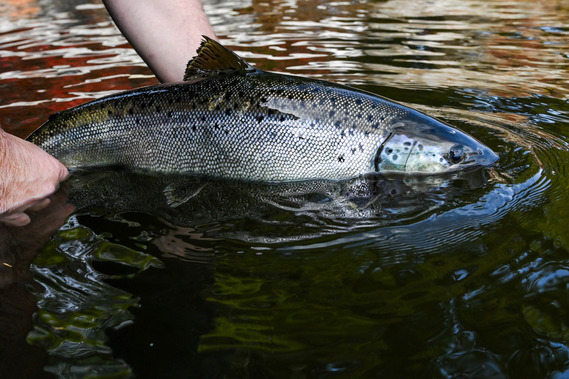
(29, 175)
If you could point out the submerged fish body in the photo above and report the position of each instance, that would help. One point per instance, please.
(229, 120)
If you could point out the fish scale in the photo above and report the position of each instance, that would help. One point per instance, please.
(236, 123)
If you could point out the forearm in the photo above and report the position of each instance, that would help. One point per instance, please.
(166, 33)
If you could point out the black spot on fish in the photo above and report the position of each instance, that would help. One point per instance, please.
(282, 118)
(110, 113)
(332, 113)
(137, 120)
(202, 118)
(130, 111)
(228, 112)
(158, 109)
(369, 117)
(338, 124)
(333, 99)
(375, 126)
(341, 159)
(193, 128)
(353, 150)
(361, 147)
(389, 150)
(358, 101)
(260, 118)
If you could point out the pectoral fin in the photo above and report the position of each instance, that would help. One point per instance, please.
(177, 195)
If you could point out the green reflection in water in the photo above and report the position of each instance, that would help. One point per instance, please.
(76, 309)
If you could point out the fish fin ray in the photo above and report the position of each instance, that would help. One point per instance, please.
(176, 196)
(213, 57)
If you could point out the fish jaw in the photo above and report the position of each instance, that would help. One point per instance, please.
(426, 146)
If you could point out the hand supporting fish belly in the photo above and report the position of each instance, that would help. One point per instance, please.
(230, 120)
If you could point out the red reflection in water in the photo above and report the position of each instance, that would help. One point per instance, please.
(38, 79)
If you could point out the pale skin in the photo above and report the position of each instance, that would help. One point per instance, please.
(165, 33)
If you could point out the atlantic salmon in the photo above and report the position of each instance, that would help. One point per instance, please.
(230, 120)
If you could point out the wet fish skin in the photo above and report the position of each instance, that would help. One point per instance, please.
(242, 123)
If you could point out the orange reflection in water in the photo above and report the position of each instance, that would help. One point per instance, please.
(20, 8)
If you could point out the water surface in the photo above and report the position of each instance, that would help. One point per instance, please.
(460, 276)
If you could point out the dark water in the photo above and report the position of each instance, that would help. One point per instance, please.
(461, 276)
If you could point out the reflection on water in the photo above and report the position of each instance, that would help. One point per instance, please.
(463, 276)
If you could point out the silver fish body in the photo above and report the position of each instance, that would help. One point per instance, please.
(247, 124)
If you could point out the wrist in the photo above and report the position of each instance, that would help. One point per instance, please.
(4, 142)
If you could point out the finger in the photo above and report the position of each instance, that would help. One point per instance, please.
(16, 219)
(41, 204)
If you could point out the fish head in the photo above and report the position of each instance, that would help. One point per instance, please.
(430, 147)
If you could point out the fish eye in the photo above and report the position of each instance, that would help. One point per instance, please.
(456, 154)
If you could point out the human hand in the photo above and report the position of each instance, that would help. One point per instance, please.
(20, 245)
(28, 175)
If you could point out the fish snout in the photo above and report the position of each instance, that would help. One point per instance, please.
(431, 149)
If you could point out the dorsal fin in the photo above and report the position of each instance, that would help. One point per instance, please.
(213, 57)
